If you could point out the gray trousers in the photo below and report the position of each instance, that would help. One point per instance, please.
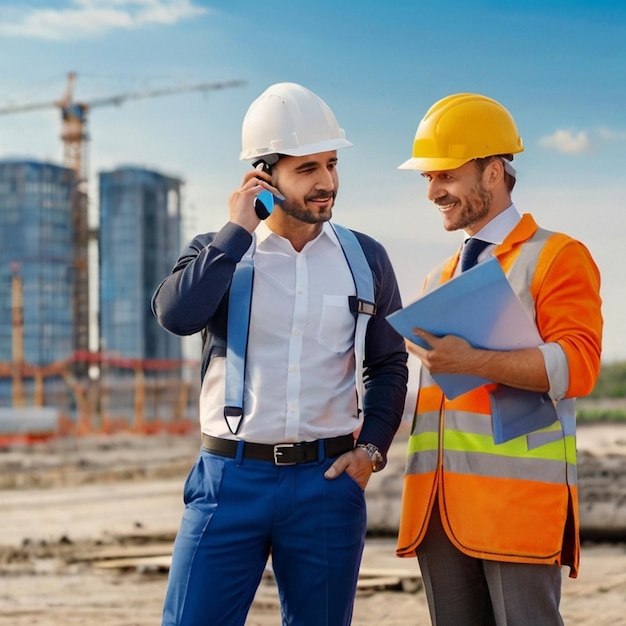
(466, 591)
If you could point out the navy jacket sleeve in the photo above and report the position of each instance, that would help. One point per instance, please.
(186, 301)
(385, 370)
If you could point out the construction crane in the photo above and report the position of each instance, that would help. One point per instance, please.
(75, 137)
(74, 114)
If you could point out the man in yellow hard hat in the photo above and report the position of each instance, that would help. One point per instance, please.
(492, 523)
(303, 380)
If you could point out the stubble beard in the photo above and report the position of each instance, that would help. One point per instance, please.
(476, 208)
(300, 212)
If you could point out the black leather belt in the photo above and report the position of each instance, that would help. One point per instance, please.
(280, 453)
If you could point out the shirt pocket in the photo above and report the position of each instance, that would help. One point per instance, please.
(336, 330)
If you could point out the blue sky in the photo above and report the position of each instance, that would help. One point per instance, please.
(558, 66)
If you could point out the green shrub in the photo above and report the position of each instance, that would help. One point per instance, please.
(590, 415)
(611, 382)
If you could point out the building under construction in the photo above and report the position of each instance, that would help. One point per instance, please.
(36, 252)
(47, 357)
(136, 376)
(139, 242)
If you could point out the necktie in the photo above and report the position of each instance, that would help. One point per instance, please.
(471, 251)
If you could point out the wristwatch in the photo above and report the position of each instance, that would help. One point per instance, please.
(377, 459)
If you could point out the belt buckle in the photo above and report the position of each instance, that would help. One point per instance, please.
(278, 452)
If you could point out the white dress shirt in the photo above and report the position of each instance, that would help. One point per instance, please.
(495, 232)
(554, 356)
(300, 368)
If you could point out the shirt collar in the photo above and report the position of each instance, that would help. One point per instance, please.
(263, 232)
(499, 227)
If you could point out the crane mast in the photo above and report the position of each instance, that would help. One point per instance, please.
(75, 138)
(74, 131)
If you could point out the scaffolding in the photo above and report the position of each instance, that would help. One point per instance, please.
(141, 396)
(115, 394)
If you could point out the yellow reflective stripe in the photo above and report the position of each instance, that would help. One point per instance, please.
(456, 440)
(477, 458)
(423, 441)
(471, 442)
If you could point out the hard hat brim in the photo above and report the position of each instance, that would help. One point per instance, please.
(311, 148)
(435, 164)
(321, 146)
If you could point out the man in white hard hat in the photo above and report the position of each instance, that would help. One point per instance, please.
(303, 380)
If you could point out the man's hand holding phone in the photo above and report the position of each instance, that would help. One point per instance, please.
(242, 203)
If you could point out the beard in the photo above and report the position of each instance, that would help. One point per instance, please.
(475, 207)
(299, 211)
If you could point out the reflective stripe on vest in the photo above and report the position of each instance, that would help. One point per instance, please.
(469, 449)
(239, 303)
(547, 455)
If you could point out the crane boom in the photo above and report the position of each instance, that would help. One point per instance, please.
(119, 99)
(164, 91)
(75, 136)
(33, 106)
(74, 114)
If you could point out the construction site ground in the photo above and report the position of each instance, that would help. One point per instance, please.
(88, 523)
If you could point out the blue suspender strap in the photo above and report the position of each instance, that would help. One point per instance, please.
(239, 302)
(365, 302)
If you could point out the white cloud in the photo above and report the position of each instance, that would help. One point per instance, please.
(572, 142)
(608, 134)
(567, 142)
(82, 19)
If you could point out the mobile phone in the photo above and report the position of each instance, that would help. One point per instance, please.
(264, 204)
(265, 201)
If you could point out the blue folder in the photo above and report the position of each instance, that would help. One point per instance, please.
(481, 306)
(517, 412)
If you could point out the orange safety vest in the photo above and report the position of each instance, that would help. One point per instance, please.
(516, 501)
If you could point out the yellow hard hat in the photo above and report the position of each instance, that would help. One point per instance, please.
(459, 128)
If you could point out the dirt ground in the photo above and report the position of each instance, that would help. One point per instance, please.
(87, 526)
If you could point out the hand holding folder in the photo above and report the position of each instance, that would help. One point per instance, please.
(480, 306)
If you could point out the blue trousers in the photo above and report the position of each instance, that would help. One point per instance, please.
(237, 513)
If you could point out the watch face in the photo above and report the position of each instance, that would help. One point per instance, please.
(377, 462)
(375, 456)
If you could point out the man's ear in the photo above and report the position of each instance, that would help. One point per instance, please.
(494, 172)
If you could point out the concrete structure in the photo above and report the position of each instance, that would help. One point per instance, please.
(140, 225)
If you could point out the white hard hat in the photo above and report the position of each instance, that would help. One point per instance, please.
(289, 119)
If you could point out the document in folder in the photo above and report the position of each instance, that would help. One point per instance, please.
(480, 306)
(516, 412)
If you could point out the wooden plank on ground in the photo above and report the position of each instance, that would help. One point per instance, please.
(124, 552)
(408, 580)
(399, 572)
(151, 558)
(147, 563)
